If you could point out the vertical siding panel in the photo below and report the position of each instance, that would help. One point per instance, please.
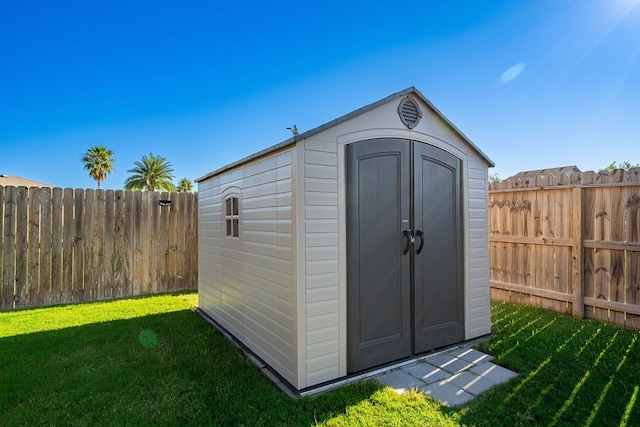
(476, 236)
(321, 206)
(21, 248)
(57, 240)
(9, 238)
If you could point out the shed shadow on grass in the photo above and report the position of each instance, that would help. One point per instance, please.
(167, 369)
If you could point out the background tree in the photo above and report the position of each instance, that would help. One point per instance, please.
(626, 165)
(151, 173)
(184, 186)
(98, 161)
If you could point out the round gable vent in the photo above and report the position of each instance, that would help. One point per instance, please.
(409, 112)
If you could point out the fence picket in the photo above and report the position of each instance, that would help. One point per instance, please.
(21, 248)
(106, 291)
(57, 216)
(163, 244)
(181, 244)
(66, 289)
(9, 256)
(44, 286)
(616, 285)
(602, 257)
(173, 245)
(77, 287)
(129, 241)
(121, 259)
(137, 236)
(154, 237)
(89, 247)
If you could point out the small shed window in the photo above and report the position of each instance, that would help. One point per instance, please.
(232, 216)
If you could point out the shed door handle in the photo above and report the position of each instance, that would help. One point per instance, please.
(410, 240)
(420, 234)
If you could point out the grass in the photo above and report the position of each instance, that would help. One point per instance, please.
(153, 361)
(573, 371)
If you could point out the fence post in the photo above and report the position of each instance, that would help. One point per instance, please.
(577, 249)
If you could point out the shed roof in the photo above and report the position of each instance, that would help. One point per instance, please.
(339, 120)
(16, 181)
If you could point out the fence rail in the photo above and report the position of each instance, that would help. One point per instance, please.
(569, 242)
(72, 245)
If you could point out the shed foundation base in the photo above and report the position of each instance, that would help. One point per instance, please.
(294, 393)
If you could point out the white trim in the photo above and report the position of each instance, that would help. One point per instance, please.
(299, 273)
(342, 262)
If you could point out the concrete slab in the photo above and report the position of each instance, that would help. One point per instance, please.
(400, 381)
(494, 372)
(427, 372)
(470, 355)
(449, 363)
(453, 377)
(447, 393)
(471, 383)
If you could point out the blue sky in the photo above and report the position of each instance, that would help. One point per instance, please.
(534, 84)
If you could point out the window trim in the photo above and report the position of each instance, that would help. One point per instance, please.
(231, 210)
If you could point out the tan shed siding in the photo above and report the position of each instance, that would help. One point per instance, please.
(247, 283)
(209, 224)
(321, 259)
(478, 242)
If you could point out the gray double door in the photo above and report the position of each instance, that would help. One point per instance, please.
(404, 251)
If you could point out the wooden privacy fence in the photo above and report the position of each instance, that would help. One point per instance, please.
(71, 245)
(569, 243)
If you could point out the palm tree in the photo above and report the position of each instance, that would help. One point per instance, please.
(184, 186)
(151, 173)
(98, 161)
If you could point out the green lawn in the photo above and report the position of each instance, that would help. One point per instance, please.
(154, 361)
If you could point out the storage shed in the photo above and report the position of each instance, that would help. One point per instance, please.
(356, 244)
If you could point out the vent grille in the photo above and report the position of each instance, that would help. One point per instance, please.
(409, 112)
